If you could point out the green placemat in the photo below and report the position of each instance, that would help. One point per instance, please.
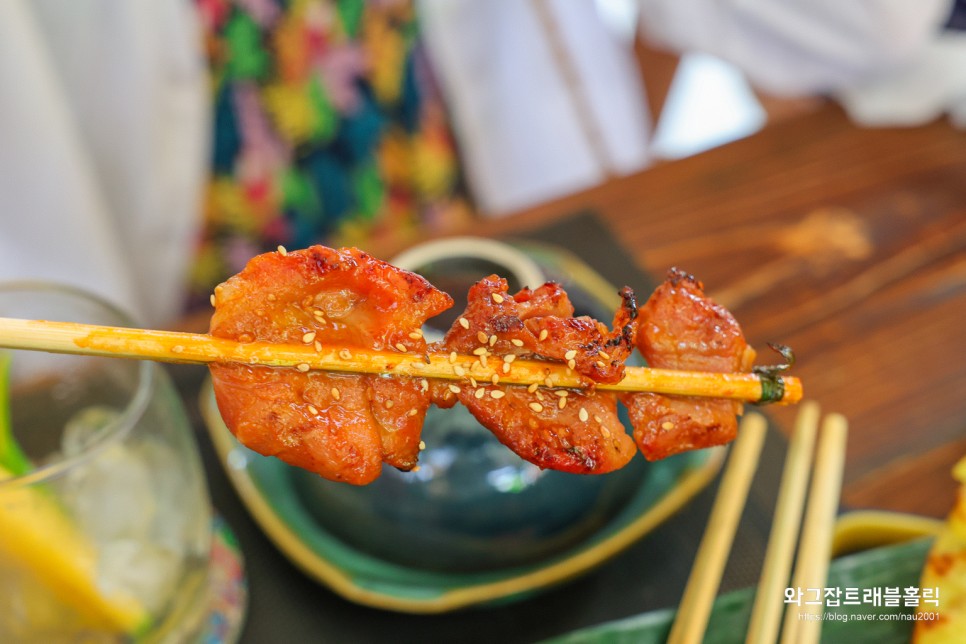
(861, 620)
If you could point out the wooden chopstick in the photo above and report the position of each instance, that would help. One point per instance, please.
(703, 583)
(767, 609)
(172, 346)
(815, 549)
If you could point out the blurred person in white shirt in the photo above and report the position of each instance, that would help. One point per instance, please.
(105, 115)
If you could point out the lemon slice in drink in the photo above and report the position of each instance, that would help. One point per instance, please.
(44, 542)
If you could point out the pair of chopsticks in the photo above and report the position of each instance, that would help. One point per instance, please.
(814, 551)
(172, 346)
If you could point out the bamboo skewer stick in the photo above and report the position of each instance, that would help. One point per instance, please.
(695, 608)
(811, 567)
(767, 610)
(173, 346)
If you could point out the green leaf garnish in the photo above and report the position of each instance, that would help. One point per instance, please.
(772, 383)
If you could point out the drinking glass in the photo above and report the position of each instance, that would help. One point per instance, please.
(105, 526)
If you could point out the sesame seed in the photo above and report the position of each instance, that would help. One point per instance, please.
(309, 337)
(583, 414)
(598, 419)
(506, 367)
(492, 340)
(483, 361)
(177, 349)
(212, 299)
(482, 337)
(389, 404)
(336, 393)
(401, 347)
(422, 444)
(539, 395)
(571, 364)
(479, 393)
(415, 335)
(547, 382)
(561, 403)
(453, 357)
(517, 342)
(537, 407)
(495, 379)
(508, 358)
(413, 412)
(497, 394)
(424, 384)
(464, 323)
(570, 355)
(473, 381)
(604, 355)
(601, 364)
(497, 298)
(604, 432)
(543, 335)
(667, 425)
(459, 371)
(454, 389)
(303, 367)
(345, 354)
(563, 393)
(532, 388)
(313, 410)
(282, 251)
(480, 351)
(318, 345)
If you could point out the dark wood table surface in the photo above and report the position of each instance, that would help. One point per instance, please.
(847, 244)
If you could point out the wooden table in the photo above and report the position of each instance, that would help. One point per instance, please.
(849, 245)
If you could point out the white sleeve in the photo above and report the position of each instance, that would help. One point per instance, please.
(523, 136)
(799, 46)
(103, 119)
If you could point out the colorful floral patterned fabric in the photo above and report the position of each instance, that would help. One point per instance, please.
(327, 129)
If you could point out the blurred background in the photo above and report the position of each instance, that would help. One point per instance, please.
(805, 158)
(151, 149)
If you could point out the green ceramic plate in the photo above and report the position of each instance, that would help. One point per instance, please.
(270, 492)
(898, 565)
(267, 489)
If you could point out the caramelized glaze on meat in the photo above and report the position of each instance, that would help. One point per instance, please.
(340, 426)
(571, 431)
(345, 426)
(680, 328)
